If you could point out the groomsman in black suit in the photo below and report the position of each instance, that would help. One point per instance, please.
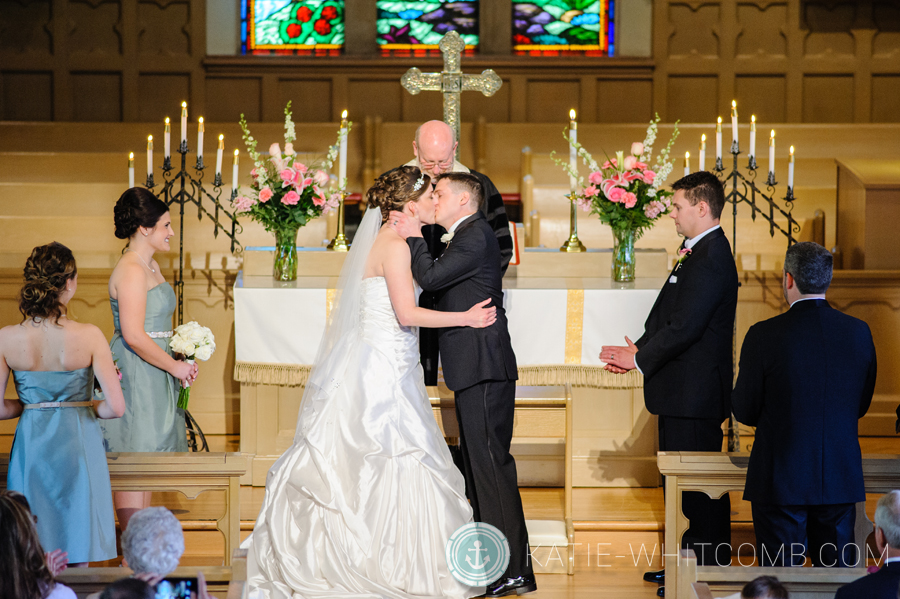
(685, 354)
(884, 583)
(806, 378)
(479, 364)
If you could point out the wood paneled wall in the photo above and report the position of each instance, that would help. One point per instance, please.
(812, 61)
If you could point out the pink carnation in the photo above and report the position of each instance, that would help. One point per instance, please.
(640, 165)
(321, 178)
(629, 199)
(649, 177)
(319, 199)
(300, 167)
(242, 204)
(596, 178)
(610, 164)
(287, 176)
(290, 198)
(615, 194)
(591, 191)
(265, 194)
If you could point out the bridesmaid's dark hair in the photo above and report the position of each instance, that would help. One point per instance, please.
(46, 272)
(137, 207)
(23, 572)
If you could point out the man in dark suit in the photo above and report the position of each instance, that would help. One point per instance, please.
(685, 354)
(479, 364)
(434, 149)
(884, 583)
(806, 377)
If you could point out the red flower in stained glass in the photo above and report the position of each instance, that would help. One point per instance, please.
(294, 30)
(304, 14)
(329, 12)
(322, 27)
(521, 39)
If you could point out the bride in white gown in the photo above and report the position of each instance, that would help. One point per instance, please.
(364, 501)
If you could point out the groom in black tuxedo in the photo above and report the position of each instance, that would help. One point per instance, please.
(685, 354)
(479, 364)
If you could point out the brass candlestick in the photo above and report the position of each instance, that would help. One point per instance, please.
(572, 244)
(340, 243)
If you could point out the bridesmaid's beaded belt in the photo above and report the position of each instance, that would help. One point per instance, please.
(59, 404)
(156, 334)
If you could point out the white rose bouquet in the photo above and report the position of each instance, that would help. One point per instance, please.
(193, 342)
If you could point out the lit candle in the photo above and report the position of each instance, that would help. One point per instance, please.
(219, 153)
(687, 164)
(719, 139)
(130, 170)
(791, 170)
(573, 154)
(234, 174)
(149, 155)
(167, 139)
(702, 165)
(184, 122)
(752, 135)
(342, 162)
(200, 139)
(734, 135)
(772, 153)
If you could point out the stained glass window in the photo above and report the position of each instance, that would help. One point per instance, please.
(562, 27)
(417, 27)
(292, 26)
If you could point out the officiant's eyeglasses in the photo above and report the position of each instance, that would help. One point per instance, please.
(444, 164)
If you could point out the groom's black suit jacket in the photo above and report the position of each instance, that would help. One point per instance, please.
(807, 376)
(466, 273)
(685, 351)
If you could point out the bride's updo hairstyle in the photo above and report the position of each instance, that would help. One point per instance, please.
(137, 207)
(394, 190)
(46, 272)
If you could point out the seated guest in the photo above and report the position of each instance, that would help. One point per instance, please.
(885, 582)
(23, 572)
(57, 460)
(57, 560)
(806, 377)
(762, 587)
(153, 542)
(128, 588)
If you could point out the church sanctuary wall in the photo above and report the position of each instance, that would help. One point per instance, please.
(796, 61)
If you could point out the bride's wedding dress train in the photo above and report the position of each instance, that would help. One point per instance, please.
(364, 501)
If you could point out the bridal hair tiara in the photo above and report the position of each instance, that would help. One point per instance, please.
(419, 182)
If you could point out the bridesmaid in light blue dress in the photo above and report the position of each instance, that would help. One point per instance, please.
(58, 461)
(143, 303)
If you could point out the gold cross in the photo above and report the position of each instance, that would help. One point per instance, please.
(451, 81)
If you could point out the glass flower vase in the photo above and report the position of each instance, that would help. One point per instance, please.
(285, 267)
(623, 255)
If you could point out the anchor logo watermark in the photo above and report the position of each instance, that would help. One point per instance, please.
(477, 554)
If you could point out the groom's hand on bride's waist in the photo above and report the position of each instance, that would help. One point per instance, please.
(405, 226)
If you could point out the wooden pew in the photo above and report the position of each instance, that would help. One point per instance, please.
(718, 473)
(188, 473)
(706, 582)
(540, 412)
(85, 581)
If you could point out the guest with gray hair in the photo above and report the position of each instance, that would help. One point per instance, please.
(886, 581)
(806, 378)
(153, 541)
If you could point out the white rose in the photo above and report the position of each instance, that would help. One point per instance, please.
(204, 352)
(180, 345)
(197, 335)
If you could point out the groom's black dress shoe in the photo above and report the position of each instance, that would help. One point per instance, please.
(508, 586)
(659, 577)
(661, 592)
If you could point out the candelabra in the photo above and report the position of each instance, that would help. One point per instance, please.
(572, 244)
(183, 188)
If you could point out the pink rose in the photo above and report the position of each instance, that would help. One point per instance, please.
(290, 198)
(265, 194)
(615, 194)
(629, 199)
(637, 148)
(287, 176)
(289, 149)
(596, 178)
(321, 178)
(242, 204)
(630, 161)
(591, 191)
(649, 177)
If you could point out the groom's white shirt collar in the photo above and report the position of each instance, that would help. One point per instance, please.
(690, 243)
(456, 225)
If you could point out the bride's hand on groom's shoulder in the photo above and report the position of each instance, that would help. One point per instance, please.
(405, 226)
(479, 317)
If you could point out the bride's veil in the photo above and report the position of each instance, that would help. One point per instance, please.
(342, 326)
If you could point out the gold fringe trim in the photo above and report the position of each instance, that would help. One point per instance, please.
(578, 375)
(292, 375)
(260, 373)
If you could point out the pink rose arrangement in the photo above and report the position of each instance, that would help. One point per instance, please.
(285, 194)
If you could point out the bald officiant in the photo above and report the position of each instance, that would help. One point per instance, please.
(434, 149)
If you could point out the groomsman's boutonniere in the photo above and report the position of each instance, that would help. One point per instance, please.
(683, 253)
(447, 237)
